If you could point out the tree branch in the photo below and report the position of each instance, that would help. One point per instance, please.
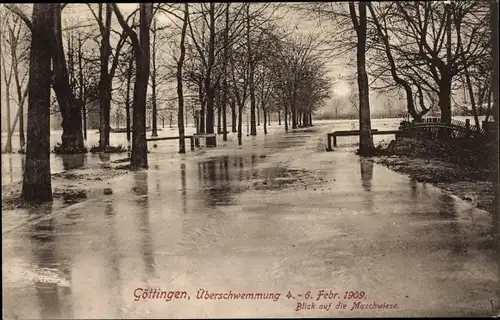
(14, 9)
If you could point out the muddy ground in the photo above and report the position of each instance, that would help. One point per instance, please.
(69, 187)
(471, 183)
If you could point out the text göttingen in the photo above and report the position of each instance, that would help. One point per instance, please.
(334, 300)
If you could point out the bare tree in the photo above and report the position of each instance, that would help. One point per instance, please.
(383, 33)
(239, 82)
(104, 19)
(82, 71)
(495, 85)
(159, 38)
(37, 185)
(17, 41)
(72, 137)
(457, 36)
(360, 25)
(225, 83)
(8, 79)
(141, 45)
(126, 76)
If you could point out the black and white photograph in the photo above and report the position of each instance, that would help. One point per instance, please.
(203, 160)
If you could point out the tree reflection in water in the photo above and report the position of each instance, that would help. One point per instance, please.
(43, 235)
(183, 188)
(141, 189)
(448, 212)
(73, 161)
(216, 184)
(114, 257)
(366, 168)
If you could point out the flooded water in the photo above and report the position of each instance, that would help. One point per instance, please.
(277, 215)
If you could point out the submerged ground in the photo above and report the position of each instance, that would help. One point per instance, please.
(279, 215)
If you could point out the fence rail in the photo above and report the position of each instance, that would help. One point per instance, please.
(433, 128)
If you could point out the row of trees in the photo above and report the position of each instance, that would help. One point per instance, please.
(428, 49)
(225, 55)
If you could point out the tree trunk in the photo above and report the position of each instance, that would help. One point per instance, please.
(294, 115)
(104, 113)
(224, 68)
(210, 142)
(219, 118)
(496, 100)
(21, 98)
(82, 91)
(7, 79)
(234, 126)
(240, 124)
(104, 82)
(253, 126)
(127, 97)
(224, 118)
(279, 118)
(445, 98)
(209, 87)
(251, 74)
(202, 109)
(72, 137)
(180, 92)
(258, 117)
(1, 67)
(22, 139)
(495, 81)
(8, 144)
(472, 98)
(264, 113)
(37, 185)
(286, 118)
(139, 146)
(365, 137)
(154, 127)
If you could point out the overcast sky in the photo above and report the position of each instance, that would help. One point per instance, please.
(80, 15)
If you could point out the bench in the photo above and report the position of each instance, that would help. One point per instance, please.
(191, 140)
(204, 135)
(345, 133)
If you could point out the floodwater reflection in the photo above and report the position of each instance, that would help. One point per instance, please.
(73, 161)
(448, 211)
(11, 173)
(146, 245)
(216, 181)
(183, 188)
(366, 167)
(114, 256)
(50, 269)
